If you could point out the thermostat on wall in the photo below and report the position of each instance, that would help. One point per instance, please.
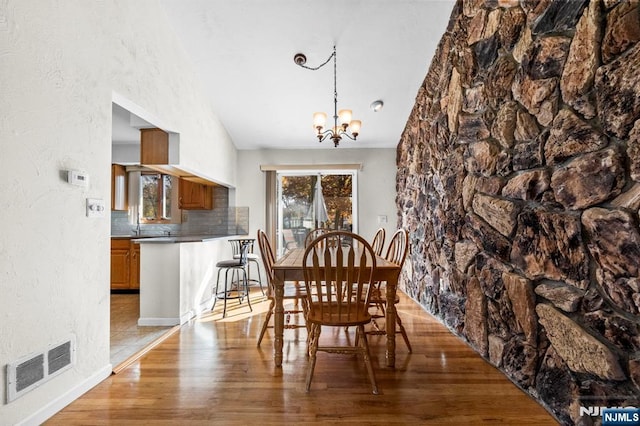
(77, 178)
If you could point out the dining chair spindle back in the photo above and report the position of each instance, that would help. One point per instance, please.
(338, 268)
(377, 244)
(292, 291)
(396, 253)
(313, 234)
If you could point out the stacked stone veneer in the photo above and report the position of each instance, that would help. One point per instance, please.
(519, 181)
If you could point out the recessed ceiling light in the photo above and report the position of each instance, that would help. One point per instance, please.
(376, 105)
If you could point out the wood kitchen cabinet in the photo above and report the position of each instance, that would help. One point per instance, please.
(195, 196)
(134, 269)
(154, 146)
(120, 263)
(125, 264)
(118, 187)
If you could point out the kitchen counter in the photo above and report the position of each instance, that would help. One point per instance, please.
(177, 273)
(178, 239)
(164, 239)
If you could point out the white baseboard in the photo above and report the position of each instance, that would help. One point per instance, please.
(67, 398)
(186, 317)
(158, 322)
(205, 306)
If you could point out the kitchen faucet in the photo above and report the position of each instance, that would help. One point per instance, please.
(137, 228)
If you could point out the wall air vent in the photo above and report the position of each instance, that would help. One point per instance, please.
(59, 357)
(31, 371)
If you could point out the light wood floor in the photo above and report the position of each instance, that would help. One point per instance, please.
(127, 338)
(211, 371)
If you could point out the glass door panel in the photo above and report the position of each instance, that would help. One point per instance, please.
(336, 202)
(313, 200)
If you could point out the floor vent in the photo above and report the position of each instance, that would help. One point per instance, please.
(31, 371)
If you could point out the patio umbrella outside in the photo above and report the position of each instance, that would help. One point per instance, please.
(318, 210)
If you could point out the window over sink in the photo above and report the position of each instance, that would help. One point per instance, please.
(157, 198)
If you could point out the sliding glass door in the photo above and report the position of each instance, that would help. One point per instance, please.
(309, 200)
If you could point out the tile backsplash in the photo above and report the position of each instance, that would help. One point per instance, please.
(218, 221)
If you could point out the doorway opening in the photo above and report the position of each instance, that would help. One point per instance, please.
(127, 340)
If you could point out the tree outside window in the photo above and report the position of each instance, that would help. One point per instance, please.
(299, 194)
(155, 198)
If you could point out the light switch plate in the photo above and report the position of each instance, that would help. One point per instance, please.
(95, 207)
(382, 219)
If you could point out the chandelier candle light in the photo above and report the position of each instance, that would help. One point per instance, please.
(346, 127)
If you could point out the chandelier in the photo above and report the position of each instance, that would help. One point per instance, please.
(343, 125)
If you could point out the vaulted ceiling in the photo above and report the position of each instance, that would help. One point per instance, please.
(243, 51)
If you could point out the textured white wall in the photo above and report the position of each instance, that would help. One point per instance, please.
(376, 182)
(198, 273)
(60, 63)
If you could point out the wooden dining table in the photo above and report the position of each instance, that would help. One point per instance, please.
(289, 268)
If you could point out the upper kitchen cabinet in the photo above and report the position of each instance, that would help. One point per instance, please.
(118, 187)
(195, 196)
(154, 146)
(159, 151)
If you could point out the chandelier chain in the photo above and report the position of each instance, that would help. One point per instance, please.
(335, 81)
(338, 131)
(322, 64)
(335, 89)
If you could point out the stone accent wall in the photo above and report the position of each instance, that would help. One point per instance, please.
(519, 181)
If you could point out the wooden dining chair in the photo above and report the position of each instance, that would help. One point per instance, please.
(313, 234)
(292, 291)
(396, 253)
(377, 244)
(338, 269)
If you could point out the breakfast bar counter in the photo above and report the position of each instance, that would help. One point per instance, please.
(168, 239)
(176, 276)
